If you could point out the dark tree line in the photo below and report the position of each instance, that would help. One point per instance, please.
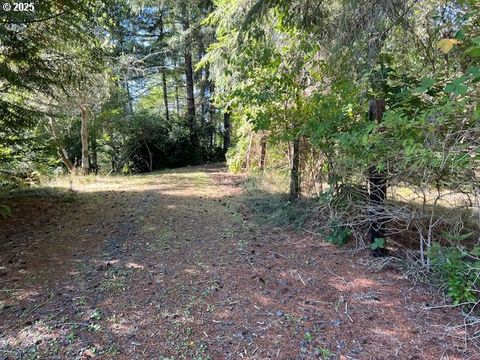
(115, 85)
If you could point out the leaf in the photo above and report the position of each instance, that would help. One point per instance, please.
(460, 80)
(476, 251)
(474, 71)
(473, 51)
(445, 45)
(456, 237)
(425, 85)
(460, 35)
(456, 89)
(378, 243)
(476, 113)
(427, 82)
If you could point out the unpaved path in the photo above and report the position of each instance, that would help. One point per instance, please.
(172, 266)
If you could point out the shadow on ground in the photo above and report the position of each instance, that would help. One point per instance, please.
(172, 266)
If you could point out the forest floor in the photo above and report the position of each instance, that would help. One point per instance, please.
(173, 265)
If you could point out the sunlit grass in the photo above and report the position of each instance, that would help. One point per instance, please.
(95, 183)
(273, 182)
(277, 182)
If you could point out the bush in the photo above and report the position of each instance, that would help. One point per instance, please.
(339, 234)
(458, 271)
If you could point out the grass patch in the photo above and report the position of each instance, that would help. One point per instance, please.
(39, 192)
(267, 197)
(163, 239)
(115, 280)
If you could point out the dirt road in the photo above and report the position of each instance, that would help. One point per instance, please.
(173, 266)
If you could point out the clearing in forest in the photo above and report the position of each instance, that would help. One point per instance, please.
(172, 265)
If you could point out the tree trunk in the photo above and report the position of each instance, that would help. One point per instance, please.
(93, 145)
(62, 153)
(332, 176)
(211, 117)
(249, 151)
(150, 158)
(129, 97)
(226, 131)
(177, 95)
(165, 96)
(377, 186)
(203, 88)
(84, 137)
(295, 172)
(194, 141)
(263, 152)
(164, 75)
(177, 99)
(113, 154)
(190, 100)
(94, 157)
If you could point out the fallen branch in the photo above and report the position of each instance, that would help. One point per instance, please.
(337, 276)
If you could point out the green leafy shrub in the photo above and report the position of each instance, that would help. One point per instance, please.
(378, 243)
(339, 234)
(458, 271)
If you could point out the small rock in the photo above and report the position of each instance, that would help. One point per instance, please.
(355, 351)
(336, 322)
(279, 313)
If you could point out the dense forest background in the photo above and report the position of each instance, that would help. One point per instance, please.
(370, 108)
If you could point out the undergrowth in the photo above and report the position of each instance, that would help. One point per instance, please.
(454, 269)
(269, 204)
(458, 272)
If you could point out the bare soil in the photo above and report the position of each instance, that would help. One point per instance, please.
(174, 266)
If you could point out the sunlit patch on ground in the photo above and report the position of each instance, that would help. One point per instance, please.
(171, 265)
